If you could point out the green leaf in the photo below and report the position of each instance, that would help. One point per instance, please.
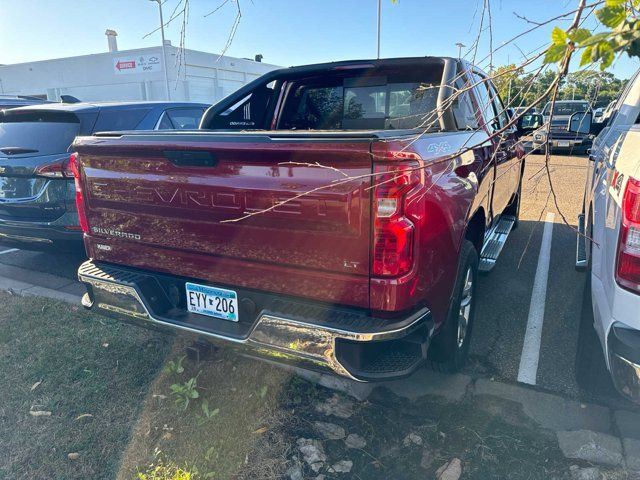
(555, 53)
(579, 35)
(614, 3)
(558, 36)
(586, 57)
(597, 38)
(612, 16)
(606, 54)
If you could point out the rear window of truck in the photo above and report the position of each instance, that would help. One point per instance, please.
(561, 108)
(364, 99)
(360, 104)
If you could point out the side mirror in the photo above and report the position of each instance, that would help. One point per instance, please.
(528, 123)
(510, 113)
(580, 122)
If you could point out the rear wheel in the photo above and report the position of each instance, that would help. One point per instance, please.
(450, 347)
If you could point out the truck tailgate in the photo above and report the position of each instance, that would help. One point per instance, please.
(210, 209)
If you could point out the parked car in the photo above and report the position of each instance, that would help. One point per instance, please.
(324, 215)
(559, 136)
(37, 197)
(609, 240)
(14, 101)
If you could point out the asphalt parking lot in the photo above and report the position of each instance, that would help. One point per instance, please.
(569, 357)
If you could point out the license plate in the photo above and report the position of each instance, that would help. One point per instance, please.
(563, 143)
(212, 301)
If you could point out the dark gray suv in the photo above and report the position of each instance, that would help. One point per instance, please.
(14, 101)
(37, 193)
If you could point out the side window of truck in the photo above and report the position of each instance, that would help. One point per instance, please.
(486, 105)
(462, 106)
(502, 118)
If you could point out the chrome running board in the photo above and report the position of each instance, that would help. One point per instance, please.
(494, 242)
(581, 247)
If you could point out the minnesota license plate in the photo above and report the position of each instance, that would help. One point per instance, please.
(212, 301)
(563, 143)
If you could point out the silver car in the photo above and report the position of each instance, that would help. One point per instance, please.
(610, 246)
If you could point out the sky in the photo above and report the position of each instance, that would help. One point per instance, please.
(285, 32)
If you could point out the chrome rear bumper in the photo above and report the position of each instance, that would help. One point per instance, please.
(624, 360)
(626, 377)
(350, 344)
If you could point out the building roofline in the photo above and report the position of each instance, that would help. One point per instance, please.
(134, 51)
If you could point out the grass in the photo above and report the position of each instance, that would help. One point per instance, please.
(160, 471)
(89, 375)
(232, 429)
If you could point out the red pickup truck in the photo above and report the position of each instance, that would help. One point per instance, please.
(330, 215)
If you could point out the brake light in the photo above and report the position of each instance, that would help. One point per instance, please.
(628, 261)
(82, 213)
(58, 169)
(393, 232)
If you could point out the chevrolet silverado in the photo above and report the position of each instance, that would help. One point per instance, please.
(334, 215)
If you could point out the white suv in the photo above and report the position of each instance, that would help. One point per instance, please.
(611, 219)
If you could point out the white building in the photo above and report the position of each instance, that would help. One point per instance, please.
(133, 75)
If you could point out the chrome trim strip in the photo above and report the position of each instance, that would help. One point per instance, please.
(271, 335)
(22, 238)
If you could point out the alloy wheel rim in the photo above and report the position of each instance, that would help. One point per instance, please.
(465, 307)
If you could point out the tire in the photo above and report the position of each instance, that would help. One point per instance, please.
(449, 349)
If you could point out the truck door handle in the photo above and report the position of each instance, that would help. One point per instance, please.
(191, 158)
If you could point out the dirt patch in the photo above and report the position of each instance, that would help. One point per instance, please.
(412, 440)
(71, 388)
(295, 429)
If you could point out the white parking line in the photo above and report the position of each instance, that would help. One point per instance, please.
(531, 349)
(9, 251)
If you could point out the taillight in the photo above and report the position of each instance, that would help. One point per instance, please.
(628, 262)
(59, 169)
(82, 213)
(393, 232)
